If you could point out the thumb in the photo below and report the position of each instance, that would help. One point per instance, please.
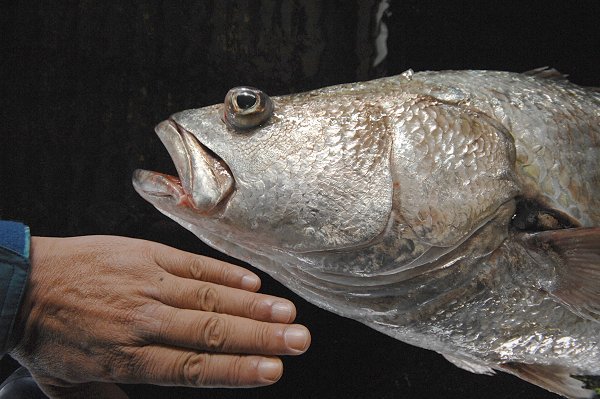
(96, 390)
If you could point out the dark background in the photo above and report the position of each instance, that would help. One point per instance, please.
(83, 83)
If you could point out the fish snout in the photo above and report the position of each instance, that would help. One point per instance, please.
(204, 180)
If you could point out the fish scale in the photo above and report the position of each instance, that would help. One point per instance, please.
(544, 116)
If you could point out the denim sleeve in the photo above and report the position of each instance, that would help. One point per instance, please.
(14, 270)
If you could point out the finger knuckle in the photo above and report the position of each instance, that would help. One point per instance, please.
(148, 254)
(197, 268)
(206, 269)
(133, 366)
(236, 372)
(195, 370)
(224, 274)
(154, 322)
(207, 297)
(214, 333)
(255, 307)
(125, 365)
(263, 337)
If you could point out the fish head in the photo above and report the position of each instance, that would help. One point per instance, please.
(295, 173)
(358, 180)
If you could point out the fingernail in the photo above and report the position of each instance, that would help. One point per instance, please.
(296, 338)
(270, 369)
(250, 283)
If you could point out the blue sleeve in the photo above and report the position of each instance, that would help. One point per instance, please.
(14, 270)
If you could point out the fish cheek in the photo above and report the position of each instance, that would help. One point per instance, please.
(300, 215)
(319, 184)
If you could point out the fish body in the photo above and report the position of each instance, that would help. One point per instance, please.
(457, 211)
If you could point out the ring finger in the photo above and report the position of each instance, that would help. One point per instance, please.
(224, 333)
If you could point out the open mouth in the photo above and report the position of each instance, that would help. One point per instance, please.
(204, 182)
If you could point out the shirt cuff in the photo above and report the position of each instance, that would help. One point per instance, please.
(14, 271)
(15, 236)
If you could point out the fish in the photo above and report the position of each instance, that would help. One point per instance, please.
(458, 211)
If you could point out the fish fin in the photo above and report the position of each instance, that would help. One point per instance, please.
(576, 256)
(546, 72)
(469, 365)
(556, 379)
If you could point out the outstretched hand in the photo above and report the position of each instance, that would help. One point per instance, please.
(106, 309)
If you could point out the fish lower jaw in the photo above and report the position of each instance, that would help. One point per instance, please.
(159, 188)
(159, 185)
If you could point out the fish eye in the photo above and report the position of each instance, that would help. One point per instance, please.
(245, 100)
(246, 107)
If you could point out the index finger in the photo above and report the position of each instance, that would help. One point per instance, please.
(188, 265)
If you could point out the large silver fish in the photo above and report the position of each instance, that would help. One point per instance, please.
(457, 211)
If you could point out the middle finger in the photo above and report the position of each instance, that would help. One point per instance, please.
(186, 293)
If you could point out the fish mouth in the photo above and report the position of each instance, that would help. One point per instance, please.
(204, 181)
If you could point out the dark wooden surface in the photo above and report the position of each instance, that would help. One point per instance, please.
(83, 83)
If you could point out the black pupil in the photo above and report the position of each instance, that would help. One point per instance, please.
(246, 100)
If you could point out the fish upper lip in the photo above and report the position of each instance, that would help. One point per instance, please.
(205, 181)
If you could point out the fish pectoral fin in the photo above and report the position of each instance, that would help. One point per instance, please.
(576, 258)
(556, 379)
(469, 365)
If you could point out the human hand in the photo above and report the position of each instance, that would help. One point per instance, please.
(106, 309)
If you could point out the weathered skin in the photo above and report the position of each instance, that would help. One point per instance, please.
(414, 204)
